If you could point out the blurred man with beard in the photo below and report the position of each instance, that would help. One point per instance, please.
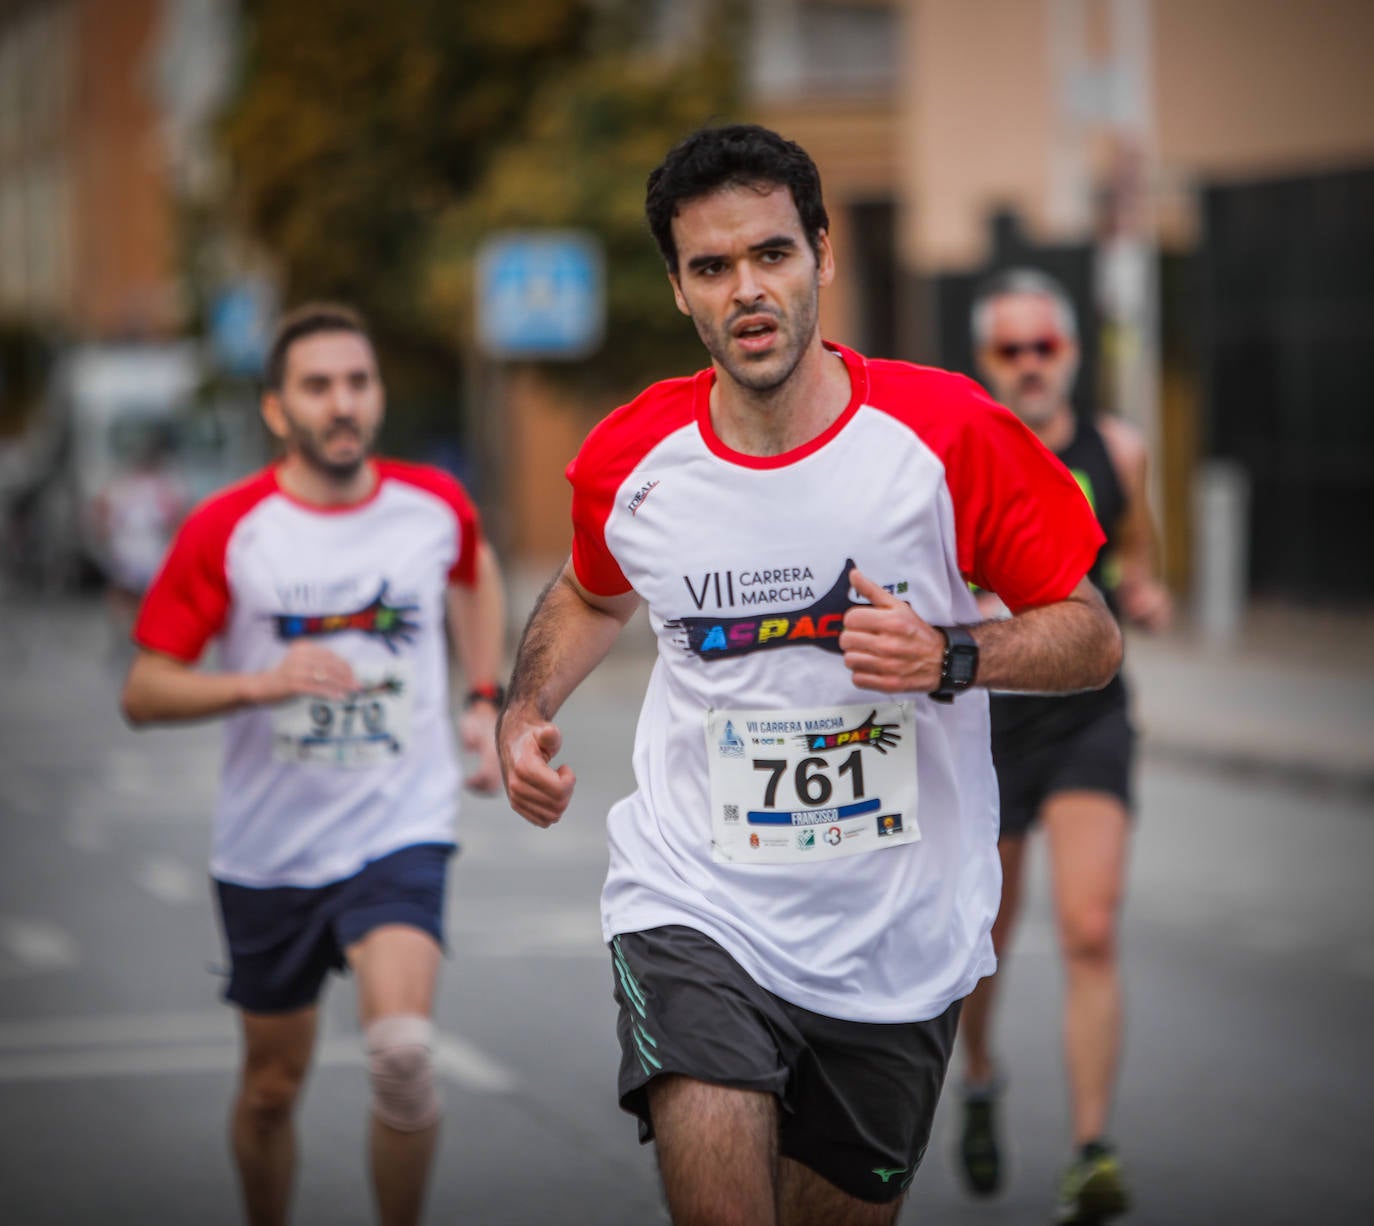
(329, 581)
(1065, 761)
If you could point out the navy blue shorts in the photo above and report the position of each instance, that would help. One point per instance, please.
(284, 940)
(1097, 757)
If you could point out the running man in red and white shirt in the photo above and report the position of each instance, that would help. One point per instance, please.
(328, 582)
(801, 888)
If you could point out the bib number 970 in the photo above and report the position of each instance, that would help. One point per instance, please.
(366, 728)
(344, 718)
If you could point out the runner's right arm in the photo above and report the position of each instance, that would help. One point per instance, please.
(163, 689)
(568, 635)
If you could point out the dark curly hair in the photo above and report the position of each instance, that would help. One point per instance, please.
(736, 155)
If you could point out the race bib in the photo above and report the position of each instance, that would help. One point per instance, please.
(370, 726)
(790, 787)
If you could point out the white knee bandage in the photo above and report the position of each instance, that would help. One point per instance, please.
(401, 1070)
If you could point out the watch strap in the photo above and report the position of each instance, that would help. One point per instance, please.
(960, 645)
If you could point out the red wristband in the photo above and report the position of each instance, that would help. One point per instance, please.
(492, 692)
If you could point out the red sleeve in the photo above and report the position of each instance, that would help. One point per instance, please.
(1024, 528)
(610, 453)
(442, 485)
(186, 604)
(595, 566)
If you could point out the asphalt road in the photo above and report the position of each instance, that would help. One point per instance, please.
(1249, 955)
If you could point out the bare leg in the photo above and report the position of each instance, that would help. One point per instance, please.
(808, 1199)
(975, 1022)
(276, 1057)
(396, 967)
(717, 1152)
(1088, 834)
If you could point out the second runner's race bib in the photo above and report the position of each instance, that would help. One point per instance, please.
(789, 787)
(370, 726)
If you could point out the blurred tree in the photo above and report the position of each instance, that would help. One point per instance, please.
(591, 136)
(356, 122)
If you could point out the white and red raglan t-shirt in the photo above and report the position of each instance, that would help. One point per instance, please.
(312, 790)
(840, 843)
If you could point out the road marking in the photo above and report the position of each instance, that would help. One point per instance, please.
(170, 880)
(116, 1028)
(67, 1049)
(468, 1066)
(38, 944)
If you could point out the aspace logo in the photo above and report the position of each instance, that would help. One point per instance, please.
(880, 736)
(390, 623)
(816, 625)
(731, 743)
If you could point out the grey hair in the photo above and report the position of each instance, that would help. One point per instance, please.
(1020, 281)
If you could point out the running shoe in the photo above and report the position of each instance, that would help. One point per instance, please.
(979, 1158)
(1091, 1191)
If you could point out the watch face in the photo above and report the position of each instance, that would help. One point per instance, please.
(962, 664)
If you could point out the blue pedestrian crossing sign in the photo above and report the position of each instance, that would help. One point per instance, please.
(238, 326)
(541, 295)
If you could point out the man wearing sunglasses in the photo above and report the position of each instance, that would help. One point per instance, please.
(1065, 761)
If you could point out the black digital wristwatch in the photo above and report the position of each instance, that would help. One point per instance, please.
(960, 665)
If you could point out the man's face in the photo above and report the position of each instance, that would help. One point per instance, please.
(750, 281)
(331, 402)
(1027, 361)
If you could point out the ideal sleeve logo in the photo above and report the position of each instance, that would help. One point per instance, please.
(390, 623)
(639, 496)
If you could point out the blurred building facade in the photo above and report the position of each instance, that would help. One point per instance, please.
(1201, 176)
(1200, 173)
(102, 111)
(87, 233)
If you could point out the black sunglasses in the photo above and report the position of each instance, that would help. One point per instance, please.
(1045, 347)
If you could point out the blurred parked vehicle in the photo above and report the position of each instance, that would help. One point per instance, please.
(106, 407)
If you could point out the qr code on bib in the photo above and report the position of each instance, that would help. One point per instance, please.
(731, 813)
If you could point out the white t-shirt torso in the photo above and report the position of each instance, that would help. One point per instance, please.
(311, 791)
(743, 564)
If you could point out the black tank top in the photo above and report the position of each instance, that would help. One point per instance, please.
(1023, 720)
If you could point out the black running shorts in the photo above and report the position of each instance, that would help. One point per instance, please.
(857, 1098)
(1096, 757)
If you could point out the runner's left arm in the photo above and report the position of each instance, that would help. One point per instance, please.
(477, 630)
(1059, 647)
(1023, 530)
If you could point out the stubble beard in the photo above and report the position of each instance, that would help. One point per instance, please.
(789, 355)
(311, 448)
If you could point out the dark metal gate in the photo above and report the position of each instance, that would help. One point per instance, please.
(1286, 325)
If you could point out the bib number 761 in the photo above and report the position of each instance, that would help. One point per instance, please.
(810, 780)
